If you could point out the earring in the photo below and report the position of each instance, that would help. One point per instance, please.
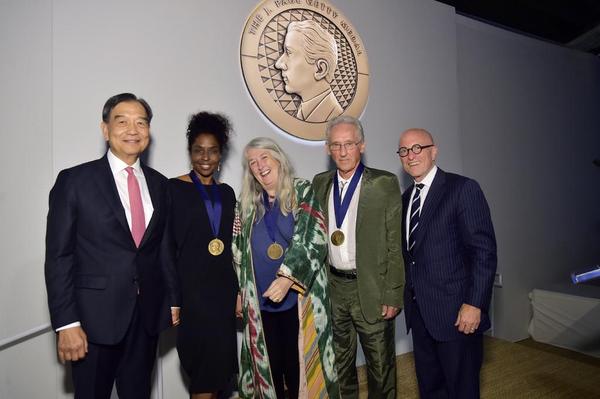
(218, 167)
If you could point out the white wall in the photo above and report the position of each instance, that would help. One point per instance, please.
(63, 59)
(25, 178)
(530, 128)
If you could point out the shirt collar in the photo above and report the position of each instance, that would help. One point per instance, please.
(117, 165)
(341, 179)
(428, 180)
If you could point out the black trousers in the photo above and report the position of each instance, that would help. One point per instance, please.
(446, 369)
(281, 335)
(129, 364)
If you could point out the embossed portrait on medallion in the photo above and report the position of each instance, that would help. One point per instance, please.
(308, 65)
(304, 64)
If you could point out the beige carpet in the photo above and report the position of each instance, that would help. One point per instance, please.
(518, 370)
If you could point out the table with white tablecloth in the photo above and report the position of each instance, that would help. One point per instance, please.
(567, 316)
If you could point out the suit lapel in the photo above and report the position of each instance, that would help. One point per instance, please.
(363, 199)
(432, 201)
(155, 190)
(108, 188)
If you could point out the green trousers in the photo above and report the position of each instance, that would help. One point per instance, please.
(376, 339)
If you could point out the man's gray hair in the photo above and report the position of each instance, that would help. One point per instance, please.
(350, 120)
(317, 44)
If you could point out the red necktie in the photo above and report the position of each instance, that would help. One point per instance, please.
(138, 221)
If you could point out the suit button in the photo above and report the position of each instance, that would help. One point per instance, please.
(413, 263)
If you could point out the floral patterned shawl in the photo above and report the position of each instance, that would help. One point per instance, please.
(304, 263)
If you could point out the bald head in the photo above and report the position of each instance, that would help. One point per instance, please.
(417, 152)
(419, 132)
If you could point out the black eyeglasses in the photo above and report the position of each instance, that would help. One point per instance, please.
(416, 149)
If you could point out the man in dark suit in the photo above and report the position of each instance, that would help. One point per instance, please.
(366, 270)
(109, 293)
(450, 253)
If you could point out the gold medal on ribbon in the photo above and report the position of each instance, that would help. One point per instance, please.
(275, 251)
(337, 238)
(216, 247)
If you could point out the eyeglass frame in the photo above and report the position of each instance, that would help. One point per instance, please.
(347, 146)
(416, 149)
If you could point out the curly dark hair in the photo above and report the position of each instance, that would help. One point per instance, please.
(212, 123)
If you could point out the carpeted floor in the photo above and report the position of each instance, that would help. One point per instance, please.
(527, 369)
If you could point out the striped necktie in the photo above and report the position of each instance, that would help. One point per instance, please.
(415, 214)
(342, 185)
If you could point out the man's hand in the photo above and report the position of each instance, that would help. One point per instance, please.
(175, 315)
(278, 289)
(72, 344)
(468, 319)
(388, 312)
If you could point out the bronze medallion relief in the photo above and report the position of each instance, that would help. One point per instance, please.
(304, 64)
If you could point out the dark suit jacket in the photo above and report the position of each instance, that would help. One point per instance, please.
(454, 258)
(93, 268)
(379, 263)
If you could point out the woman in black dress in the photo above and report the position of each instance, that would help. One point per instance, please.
(200, 231)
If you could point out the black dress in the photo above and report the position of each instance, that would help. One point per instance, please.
(206, 337)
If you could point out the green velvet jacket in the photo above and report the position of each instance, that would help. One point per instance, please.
(379, 261)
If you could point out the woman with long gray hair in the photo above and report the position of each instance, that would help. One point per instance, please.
(279, 250)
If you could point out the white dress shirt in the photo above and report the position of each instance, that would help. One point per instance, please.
(117, 167)
(427, 181)
(343, 256)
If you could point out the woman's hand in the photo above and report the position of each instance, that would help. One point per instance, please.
(238, 306)
(278, 289)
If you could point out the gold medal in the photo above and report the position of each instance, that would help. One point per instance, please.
(275, 251)
(216, 247)
(337, 238)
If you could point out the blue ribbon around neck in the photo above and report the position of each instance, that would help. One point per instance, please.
(341, 207)
(213, 209)
(270, 216)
